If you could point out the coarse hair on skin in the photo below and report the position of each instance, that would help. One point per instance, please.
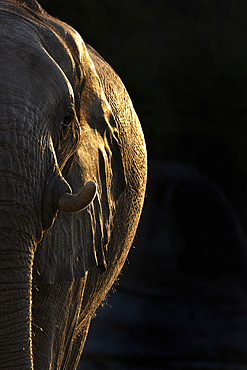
(31, 4)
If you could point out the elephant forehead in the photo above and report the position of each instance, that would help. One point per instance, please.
(56, 47)
(27, 68)
(32, 54)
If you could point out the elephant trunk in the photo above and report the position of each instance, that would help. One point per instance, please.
(15, 309)
(17, 247)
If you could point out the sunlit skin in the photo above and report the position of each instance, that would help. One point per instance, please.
(72, 183)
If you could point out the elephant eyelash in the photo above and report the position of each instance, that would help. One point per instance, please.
(67, 121)
(64, 132)
(68, 143)
(67, 134)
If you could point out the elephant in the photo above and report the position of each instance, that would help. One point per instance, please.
(73, 168)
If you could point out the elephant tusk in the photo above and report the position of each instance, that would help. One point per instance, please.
(77, 202)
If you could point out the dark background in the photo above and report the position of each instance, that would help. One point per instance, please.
(184, 64)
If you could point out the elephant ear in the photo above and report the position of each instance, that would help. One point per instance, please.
(78, 242)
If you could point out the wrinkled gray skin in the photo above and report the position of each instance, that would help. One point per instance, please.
(65, 119)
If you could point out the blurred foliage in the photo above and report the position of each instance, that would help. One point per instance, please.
(184, 64)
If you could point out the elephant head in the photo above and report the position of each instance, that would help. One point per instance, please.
(67, 127)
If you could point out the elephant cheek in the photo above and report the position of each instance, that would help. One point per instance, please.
(56, 185)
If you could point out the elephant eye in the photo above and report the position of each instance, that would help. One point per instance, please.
(65, 124)
(67, 121)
